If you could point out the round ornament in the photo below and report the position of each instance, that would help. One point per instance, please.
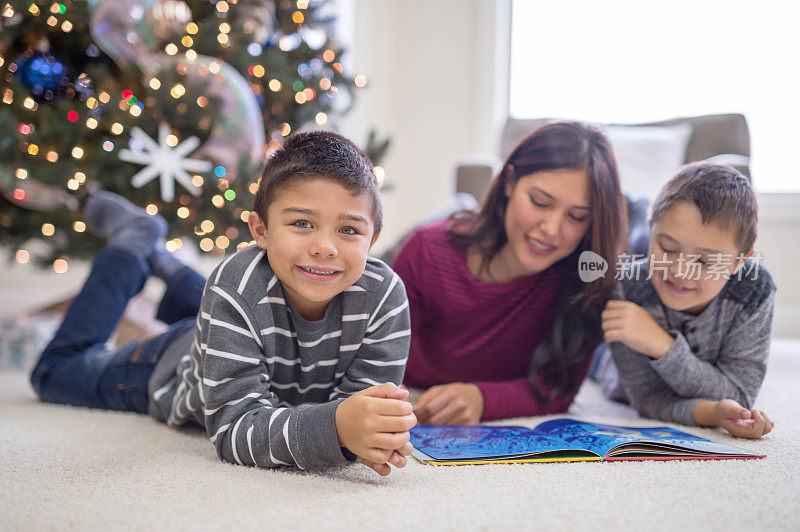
(43, 74)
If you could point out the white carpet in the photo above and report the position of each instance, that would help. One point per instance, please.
(65, 468)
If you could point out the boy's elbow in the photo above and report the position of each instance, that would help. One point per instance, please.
(256, 457)
(222, 453)
(222, 444)
(648, 409)
(224, 457)
(225, 454)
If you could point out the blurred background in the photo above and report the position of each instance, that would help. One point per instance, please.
(100, 93)
(449, 80)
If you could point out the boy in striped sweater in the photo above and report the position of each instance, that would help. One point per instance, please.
(290, 353)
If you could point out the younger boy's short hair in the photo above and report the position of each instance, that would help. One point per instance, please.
(721, 193)
(319, 154)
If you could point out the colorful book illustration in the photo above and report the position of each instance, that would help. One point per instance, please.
(562, 440)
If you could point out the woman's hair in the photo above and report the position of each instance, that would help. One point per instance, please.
(575, 329)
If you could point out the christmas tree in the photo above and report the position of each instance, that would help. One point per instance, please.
(171, 104)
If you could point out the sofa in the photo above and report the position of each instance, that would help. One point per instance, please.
(646, 151)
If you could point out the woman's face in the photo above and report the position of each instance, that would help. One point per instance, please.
(548, 214)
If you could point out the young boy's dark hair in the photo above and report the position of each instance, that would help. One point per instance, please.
(722, 194)
(319, 154)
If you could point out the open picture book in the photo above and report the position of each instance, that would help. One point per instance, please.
(562, 440)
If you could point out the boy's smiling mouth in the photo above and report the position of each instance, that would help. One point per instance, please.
(677, 288)
(319, 272)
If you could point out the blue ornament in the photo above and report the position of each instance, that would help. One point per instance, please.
(44, 75)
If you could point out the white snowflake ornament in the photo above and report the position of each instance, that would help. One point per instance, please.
(161, 159)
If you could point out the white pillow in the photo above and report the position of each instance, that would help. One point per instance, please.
(647, 156)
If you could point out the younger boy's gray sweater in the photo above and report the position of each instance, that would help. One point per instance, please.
(719, 354)
(263, 381)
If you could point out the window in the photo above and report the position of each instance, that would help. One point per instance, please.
(632, 61)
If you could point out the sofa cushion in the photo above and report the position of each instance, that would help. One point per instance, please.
(647, 156)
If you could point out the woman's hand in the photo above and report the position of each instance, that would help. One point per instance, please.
(457, 403)
(630, 324)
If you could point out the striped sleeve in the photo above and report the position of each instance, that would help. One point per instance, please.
(241, 412)
(382, 353)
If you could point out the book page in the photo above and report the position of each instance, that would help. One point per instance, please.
(470, 442)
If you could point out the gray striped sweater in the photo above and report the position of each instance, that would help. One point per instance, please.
(263, 381)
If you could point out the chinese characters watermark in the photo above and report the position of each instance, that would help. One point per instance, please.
(689, 267)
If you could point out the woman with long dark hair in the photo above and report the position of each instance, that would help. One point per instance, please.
(502, 325)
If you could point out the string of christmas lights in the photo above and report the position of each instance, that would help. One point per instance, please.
(176, 112)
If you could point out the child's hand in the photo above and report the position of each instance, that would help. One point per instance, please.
(457, 403)
(630, 324)
(398, 459)
(741, 422)
(374, 423)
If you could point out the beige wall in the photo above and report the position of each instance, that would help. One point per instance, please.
(779, 244)
(433, 86)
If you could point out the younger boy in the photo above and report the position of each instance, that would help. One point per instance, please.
(690, 332)
(294, 354)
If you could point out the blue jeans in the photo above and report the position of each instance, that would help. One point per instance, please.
(77, 369)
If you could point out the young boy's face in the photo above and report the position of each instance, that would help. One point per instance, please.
(317, 237)
(685, 256)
